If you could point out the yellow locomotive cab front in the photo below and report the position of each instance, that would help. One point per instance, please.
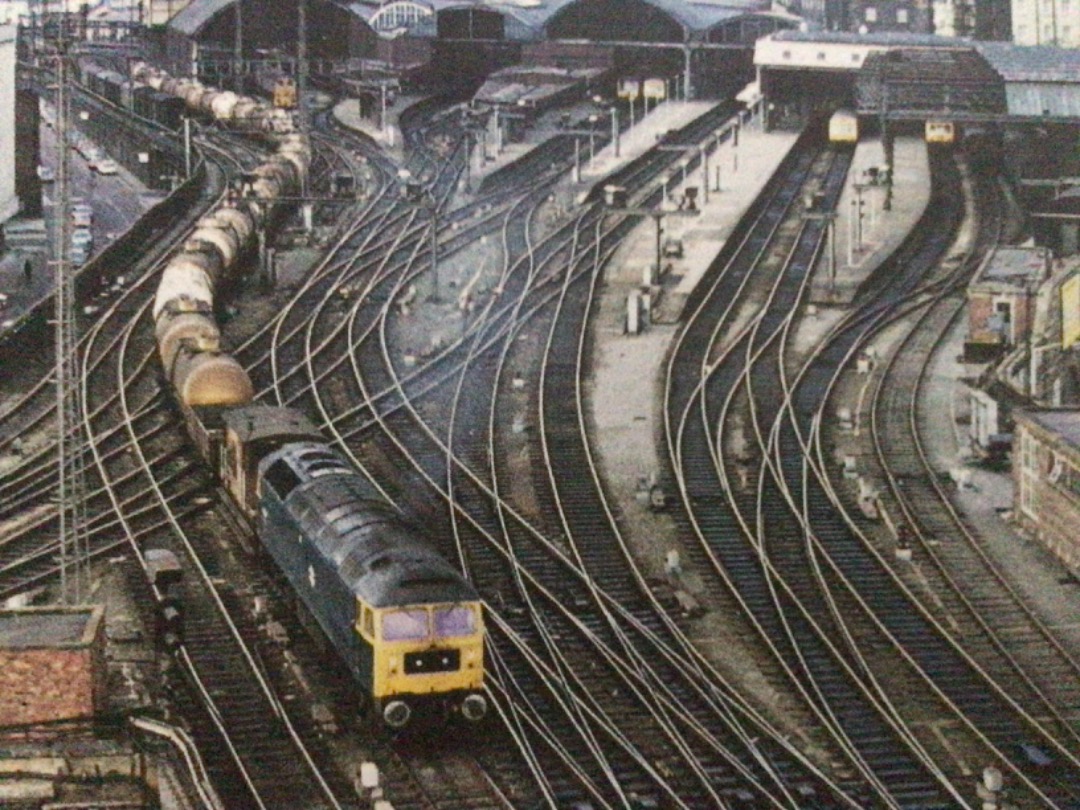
(427, 651)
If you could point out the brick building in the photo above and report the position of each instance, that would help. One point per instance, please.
(1046, 469)
(52, 665)
(1001, 300)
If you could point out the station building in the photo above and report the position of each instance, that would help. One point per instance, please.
(1046, 471)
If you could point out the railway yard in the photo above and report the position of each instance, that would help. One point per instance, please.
(656, 423)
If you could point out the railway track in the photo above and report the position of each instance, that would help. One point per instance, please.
(970, 593)
(879, 672)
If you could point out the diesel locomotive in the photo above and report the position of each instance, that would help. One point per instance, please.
(404, 621)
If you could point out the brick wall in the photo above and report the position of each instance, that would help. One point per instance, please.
(42, 685)
(980, 309)
(1054, 512)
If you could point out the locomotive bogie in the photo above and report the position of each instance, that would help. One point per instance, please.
(203, 378)
(173, 330)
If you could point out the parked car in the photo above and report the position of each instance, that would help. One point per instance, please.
(82, 215)
(106, 166)
(82, 236)
(46, 174)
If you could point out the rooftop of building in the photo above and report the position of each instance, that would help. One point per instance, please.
(39, 627)
(1032, 63)
(532, 15)
(881, 39)
(1015, 265)
(1065, 424)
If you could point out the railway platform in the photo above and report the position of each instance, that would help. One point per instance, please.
(625, 397)
(860, 249)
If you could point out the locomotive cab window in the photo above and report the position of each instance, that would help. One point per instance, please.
(456, 621)
(281, 478)
(405, 625)
(367, 622)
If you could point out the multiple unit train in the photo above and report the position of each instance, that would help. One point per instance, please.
(844, 128)
(405, 622)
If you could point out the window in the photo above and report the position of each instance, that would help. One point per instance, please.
(1057, 467)
(455, 621)
(856, 58)
(367, 622)
(786, 54)
(405, 625)
(821, 56)
(901, 16)
(281, 478)
(871, 14)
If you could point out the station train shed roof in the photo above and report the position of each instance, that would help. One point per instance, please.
(531, 17)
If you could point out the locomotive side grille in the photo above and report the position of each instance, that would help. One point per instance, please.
(418, 663)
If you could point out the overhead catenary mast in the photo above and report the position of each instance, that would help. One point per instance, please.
(71, 497)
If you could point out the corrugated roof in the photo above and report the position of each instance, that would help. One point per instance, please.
(1063, 424)
(898, 39)
(694, 15)
(190, 20)
(194, 17)
(1043, 98)
(1032, 63)
(929, 79)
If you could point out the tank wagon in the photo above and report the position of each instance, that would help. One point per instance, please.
(404, 621)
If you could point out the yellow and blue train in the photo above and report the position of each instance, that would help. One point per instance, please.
(405, 622)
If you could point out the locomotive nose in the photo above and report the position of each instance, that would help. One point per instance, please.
(474, 707)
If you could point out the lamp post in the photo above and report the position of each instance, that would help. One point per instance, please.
(614, 198)
(592, 139)
(612, 110)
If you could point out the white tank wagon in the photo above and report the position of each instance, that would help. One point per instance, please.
(176, 328)
(187, 280)
(229, 236)
(202, 375)
(189, 341)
